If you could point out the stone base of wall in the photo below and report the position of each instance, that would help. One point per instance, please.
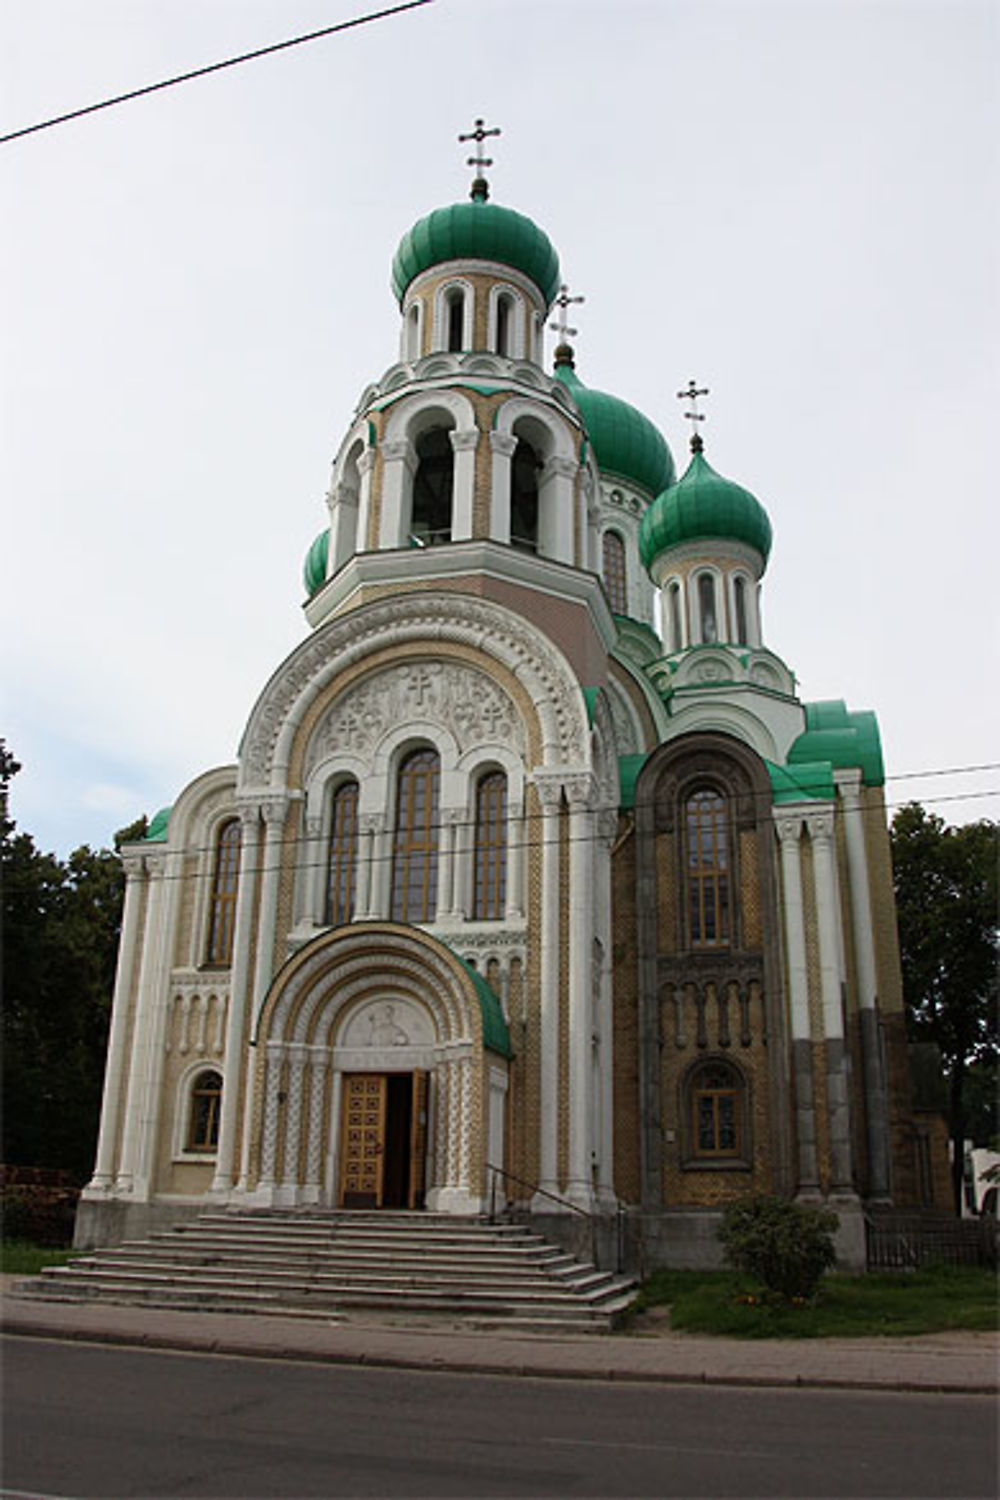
(110, 1221)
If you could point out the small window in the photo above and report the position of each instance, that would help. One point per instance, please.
(674, 613)
(491, 847)
(707, 870)
(343, 855)
(524, 496)
(716, 1104)
(455, 315)
(740, 600)
(707, 613)
(503, 325)
(415, 846)
(225, 885)
(203, 1116)
(413, 332)
(614, 573)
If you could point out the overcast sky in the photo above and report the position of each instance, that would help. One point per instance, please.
(795, 202)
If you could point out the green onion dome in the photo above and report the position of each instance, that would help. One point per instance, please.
(314, 568)
(624, 441)
(703, 505)
(477, 230)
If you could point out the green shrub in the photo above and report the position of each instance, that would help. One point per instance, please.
(785, 1246)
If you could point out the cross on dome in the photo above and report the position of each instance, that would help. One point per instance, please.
(691, 393)
(560, 326)
(478, 133)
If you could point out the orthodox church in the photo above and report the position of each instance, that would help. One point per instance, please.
(534, 875)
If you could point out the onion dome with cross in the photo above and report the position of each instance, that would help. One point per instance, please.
(478, 231)
(626, 444)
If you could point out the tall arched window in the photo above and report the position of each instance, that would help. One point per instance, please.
(707, 612)
(674, 615)
(740, 601)
(489, 895)
(524, 496)
(454, 308)
(225, 884)
(707, 870)
(505, 308)
(614, 572)
(415, 846)
(430, 521)
(413, 332)
(343, 855)
(717, 1122)
(203, 1114)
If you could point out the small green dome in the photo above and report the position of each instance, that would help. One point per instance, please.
(477, 230)
(624, 441)
(703, 504)
(314, 568)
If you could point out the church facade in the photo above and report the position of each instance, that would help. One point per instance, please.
(508, 891)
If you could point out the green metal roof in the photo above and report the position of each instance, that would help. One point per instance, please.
(157, 831)
(802, 781)
(843, 737)
(496, 1037)
(703, 504)
(629, 767)
(477, 230)
(314, 568)
(624, 441)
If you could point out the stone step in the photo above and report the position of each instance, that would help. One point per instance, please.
(483, 1256)
(343, 1266)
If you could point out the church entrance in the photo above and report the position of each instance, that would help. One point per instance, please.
(383, 1140)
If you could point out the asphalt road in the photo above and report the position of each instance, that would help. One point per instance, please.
(85, 1420)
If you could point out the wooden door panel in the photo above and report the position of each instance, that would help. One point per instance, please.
(363, 1144)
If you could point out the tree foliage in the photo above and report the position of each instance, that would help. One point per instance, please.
(946, 904)
(61, 924)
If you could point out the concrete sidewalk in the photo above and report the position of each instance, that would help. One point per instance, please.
(947, 1362)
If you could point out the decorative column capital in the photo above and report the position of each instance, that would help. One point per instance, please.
(549, 786)
(503, 443)
(372, 822)
(820, 826)
(314, 826)
(789, 829)
(580, 791)
(566, 468)
(156, 864)
(134, 865)
(274, 809)
(453, 817)
(607, 825)
(400, 451)
(366, 461)
(467, 440)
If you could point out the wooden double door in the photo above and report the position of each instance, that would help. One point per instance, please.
(383, 1140)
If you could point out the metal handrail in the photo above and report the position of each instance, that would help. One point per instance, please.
(537, 1190)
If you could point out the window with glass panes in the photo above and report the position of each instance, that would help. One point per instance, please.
(707, 869)
(715, 1109)
(491, 847)
(415, 845)
(203, 1120)
(225, 884)
(614, 572)
(343, 854)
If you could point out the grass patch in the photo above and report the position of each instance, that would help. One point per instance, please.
(935, 1299)
(22, 1258)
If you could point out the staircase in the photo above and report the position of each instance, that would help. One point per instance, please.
(387, 1265)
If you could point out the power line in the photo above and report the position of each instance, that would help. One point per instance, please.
(229, 62)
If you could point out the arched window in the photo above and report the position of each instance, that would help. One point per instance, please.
(614, 573)
(489, 896)
(740, 601)
(203, 1114)
(505, 309)
(225, 884)
(674, 615)
(415, 846)
(707, 612)
(454, 308)
(430, 521)
(343, 855)
(707, 870)
(717, 1115)
(524, 496)
(413, 332)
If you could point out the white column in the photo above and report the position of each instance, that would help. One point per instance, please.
(239, 1001)
(131, 1174)
(275, 812)
(607, 822)
(114, 1071)
(502, 446)
(446, 863)
(464, 445)
(557, 509)
(319, 1061)
(790, 832)
(399, 462)
(463, 856)
(366, 463)
(369, 825)
(342, 503)
(516, 855)
(550, 794)
(821, 831)
(579, 1187)
(315, 873)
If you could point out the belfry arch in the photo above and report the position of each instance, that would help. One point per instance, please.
(374, 1056)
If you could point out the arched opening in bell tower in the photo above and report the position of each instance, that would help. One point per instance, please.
(433, 489)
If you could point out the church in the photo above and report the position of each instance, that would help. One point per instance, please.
(535, 879)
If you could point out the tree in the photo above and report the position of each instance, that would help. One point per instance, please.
(61, 925)
(946, 904)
